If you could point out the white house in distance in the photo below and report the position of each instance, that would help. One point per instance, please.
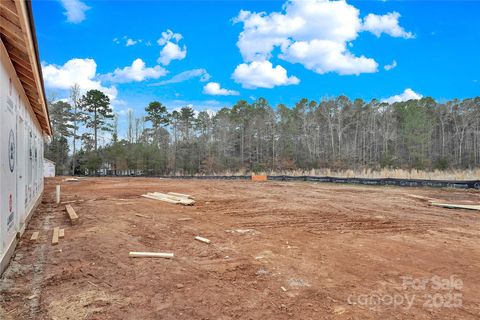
(24, 123)
(48, 168)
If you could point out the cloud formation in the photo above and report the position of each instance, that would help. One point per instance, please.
(137, 72)
(214, 89)
(406, 95)
(262, 74)
(76, 71)
(314, 33)
(202, 74)
(74, 10)
(390, 66)
(387, 24)
(171, 49)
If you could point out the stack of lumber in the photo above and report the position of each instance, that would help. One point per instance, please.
(171, 197)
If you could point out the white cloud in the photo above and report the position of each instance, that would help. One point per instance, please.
(314, 33)
(406, 95)
(387, 24)
(210, 106)
(168, 36)
(131, 42)
(74, 10)
(75, 71)
(214, 89)
(262, 74)
(202, 74)
(171, 49)
(390, 66)
(135, 73)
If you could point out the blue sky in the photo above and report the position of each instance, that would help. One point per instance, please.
(298, 49)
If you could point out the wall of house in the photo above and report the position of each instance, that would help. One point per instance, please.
(21, 159)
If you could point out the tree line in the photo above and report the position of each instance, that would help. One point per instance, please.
(336, 133)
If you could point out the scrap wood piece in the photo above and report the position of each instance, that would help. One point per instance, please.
(55, 236)
(421, 197)
(61, 233)
(456, 206)
(168, 198)
(34, 236)
(141, 215)
(151, 196)
(184, 219)
(182, 195)
(71, 214)
(165, 255)
(201, 239)
(181, 200)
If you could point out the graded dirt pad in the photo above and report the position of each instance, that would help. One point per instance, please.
(279, 250)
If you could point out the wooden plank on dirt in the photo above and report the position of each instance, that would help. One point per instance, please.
(55, 236)
(423, 198)
(182, 195)
(34, 236)
(71, 214)
(150, 196)
(142, 216)
(456, 206)
(201, 239)
(151, 255)
(61, 233)
(181, 200)
(184, 219)
(169, 198)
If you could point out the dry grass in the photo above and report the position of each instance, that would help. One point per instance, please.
(376, 174)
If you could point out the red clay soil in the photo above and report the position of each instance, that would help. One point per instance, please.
(279, 250)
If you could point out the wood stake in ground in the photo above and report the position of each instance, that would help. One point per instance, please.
(55, 236)
(201, 239)
(151, 255)
(71, 214)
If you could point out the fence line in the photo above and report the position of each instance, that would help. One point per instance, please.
(457, 184)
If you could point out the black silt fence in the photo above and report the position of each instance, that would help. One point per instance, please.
(457, 184)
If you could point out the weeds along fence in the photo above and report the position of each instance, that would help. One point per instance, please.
(457, 184)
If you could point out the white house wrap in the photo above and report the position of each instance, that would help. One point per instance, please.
(24, 123)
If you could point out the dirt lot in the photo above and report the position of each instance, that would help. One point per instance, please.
(279, 250)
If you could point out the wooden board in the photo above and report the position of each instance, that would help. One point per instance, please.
(169, 198)
(149, 196)
(151, 255)
(61, 233)
(71, 214)
(34, 236)
(55, 236)
(181, 200)
(456, 206)
(202, 239)
(182, 195)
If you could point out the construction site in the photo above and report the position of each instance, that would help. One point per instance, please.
(342, 198)
(149, 248)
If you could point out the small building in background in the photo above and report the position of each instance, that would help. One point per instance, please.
(48, 168)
